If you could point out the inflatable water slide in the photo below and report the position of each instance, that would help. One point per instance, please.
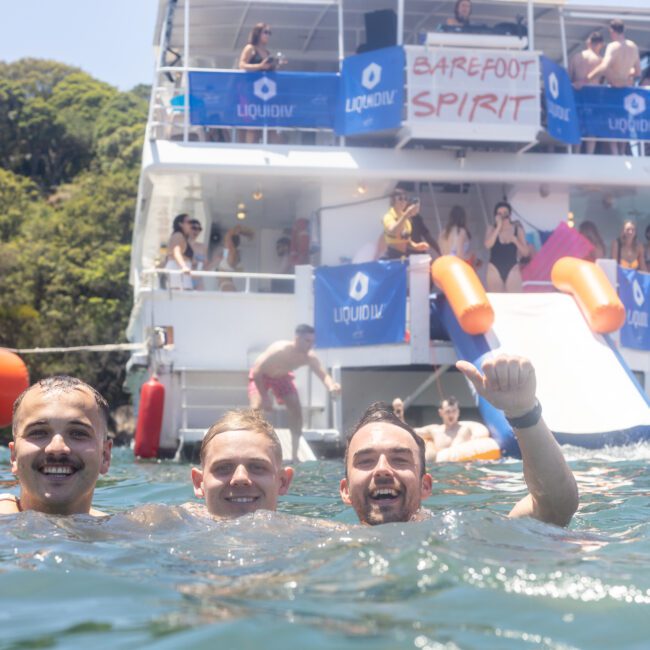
(589, 396)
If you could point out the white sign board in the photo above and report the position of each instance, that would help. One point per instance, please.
(469, 94)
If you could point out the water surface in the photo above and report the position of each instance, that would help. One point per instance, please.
(156, 577)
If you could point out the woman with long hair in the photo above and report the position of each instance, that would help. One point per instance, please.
(589, 231)
(627, 251)
(454, 239)
(180, 254)
(507, 245)
(255, 57)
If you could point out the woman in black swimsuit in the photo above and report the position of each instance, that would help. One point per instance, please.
(506, 243)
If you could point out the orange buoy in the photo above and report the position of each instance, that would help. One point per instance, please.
(150, 416)
(465, 293)
(593, 292)
(14, 379)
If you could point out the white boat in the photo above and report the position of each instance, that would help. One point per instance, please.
(201, 343)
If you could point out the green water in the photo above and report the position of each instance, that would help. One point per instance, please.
(155, 577)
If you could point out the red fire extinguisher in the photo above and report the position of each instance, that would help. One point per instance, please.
(150, 415)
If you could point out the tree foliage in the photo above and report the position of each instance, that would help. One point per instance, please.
(70, 151)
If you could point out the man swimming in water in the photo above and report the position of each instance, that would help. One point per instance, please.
(451, 432)
(273, 370)
(60, 447)
(384, 460)
(241, 466)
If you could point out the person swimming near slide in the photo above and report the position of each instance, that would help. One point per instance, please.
(385, 477)
(59, 449)
(241, 467)
(452, 433)
(507, 243)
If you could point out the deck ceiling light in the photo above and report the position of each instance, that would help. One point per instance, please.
(258, 195)
(241, 211)
(362, 189)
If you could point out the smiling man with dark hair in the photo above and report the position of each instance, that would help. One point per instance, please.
(60, 447)
(386, 479)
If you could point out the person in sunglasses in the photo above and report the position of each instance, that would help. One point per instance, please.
(398, 227)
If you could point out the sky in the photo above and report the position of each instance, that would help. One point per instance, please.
(110, 39)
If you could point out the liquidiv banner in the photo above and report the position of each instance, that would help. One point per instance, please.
(614, 113)
(360, 304)
(561, 115)
(457, 93)
(371, 92)
(275, 99)
(634, 292)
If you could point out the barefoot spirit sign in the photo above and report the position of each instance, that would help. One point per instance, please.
(469, 94)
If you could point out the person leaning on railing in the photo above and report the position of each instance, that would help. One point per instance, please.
(180, 255)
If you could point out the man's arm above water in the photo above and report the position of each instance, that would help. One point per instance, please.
(508, 383)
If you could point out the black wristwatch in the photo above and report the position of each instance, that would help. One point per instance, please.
(526, 420)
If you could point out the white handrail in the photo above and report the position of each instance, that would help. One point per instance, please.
(231, 275)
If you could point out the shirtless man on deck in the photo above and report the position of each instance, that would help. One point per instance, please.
(60, 447)
(620, 66)
(581, 64)
(439, 437)
(273, 370)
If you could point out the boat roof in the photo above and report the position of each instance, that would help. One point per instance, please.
(307, 30)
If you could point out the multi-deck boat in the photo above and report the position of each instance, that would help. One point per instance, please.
(462, 125)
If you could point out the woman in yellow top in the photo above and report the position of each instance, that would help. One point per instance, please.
(398, 228)
(627, 251)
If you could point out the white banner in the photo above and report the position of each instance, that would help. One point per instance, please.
(470, 94)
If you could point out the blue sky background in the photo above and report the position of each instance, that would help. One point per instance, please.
(110, 39)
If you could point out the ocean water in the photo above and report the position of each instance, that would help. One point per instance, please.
(308, 576)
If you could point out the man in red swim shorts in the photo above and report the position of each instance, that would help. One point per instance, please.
(273, 370)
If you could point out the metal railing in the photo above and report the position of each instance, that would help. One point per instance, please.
(246, 276)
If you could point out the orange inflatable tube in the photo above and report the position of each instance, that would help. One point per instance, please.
(593, 292)
(465, 293)
(477, 449)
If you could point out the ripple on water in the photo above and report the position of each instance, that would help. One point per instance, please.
(154, 576)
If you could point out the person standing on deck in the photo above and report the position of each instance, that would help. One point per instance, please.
(580, 66)
(273, 370)
(620, 66)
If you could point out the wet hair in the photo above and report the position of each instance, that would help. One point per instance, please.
(65, 384)
(595, 37)
(457, 218)
(502, 204)
(383, 412)
(242, 420)
(303, 328)
(617, 26)
(178, 222)
(450, 401)
(458, 17)
(256, 33)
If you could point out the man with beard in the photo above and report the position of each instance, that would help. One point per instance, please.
(59, 448)
(241, 466)
(386, 479)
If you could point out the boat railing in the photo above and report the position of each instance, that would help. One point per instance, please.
(171, 116)
(151, 278)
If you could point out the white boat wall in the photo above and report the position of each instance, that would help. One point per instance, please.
(201, 343)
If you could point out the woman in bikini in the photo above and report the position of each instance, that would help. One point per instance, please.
(627, 251)
(454, 239)
(506, 243)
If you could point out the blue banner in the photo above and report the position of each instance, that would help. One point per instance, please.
(360, 304)
(561, 115)
(258, 99)
(371, 92)
(634, 292)
(614, 113)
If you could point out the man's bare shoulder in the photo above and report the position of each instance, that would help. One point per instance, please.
(427, 432)
(8, 504)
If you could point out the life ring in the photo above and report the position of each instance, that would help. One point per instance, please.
(475, 449)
